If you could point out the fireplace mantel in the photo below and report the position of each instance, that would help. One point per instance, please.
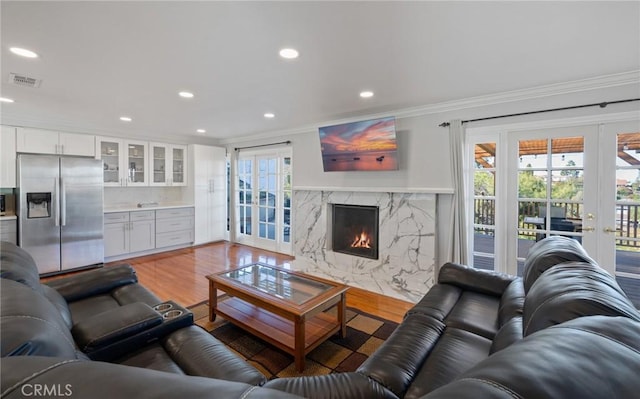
(406, 263)
(405, 190)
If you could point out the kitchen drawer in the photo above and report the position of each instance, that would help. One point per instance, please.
(176, 224)
(174, 213)
(116, 217)
(9, 231)
(173, 238)
(142, 215)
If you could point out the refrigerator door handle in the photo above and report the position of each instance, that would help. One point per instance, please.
(56, 201)
(63, 204)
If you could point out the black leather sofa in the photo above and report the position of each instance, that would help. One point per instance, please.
(563, 330)
(104, 314)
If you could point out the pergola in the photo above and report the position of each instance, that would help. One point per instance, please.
(562, 145)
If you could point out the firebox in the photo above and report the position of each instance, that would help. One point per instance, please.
(354, 230)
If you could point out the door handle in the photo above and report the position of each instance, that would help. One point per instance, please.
(56, 203)
(611, 230)
(589, 229)
(63, 204)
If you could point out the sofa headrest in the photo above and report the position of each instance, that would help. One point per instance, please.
(550, 252)
(16, 264)
(588, 358)
(572, 290)
(30, 325)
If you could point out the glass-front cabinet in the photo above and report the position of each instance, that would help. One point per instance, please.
(124, 161)
(168, 164)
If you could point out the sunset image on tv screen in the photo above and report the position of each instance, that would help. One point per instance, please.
(365, 145)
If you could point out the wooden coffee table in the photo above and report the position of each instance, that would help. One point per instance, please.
(285, 308)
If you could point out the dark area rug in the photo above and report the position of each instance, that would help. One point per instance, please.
(365, 333)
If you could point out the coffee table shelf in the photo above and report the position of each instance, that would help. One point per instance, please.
(275, 329)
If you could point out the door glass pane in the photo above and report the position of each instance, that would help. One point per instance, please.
(550, 190)
(484, 182)
(178, 165)
(136, 163)
(110, 155)
(159, 164)
(627, 219)
(286, 192)
(244, 196)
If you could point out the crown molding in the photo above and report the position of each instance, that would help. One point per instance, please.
(596, 83)
(65, 126)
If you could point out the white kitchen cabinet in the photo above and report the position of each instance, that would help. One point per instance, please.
(174, 226)
(208, 183)
(8, 157)
(124, 161)
(167, 163)
(142, 227)
(126, 232)
(9, 230)
(39, 141)
(116, 234)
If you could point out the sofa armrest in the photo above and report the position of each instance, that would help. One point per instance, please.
(472, 279)
(94, 282)
(332, 386)
(107, 328)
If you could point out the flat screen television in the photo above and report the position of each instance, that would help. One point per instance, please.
(366, 145)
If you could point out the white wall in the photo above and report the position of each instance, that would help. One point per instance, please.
(424, 147)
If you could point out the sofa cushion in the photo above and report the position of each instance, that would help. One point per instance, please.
(397, 361)
(16, 264)
(508, 334)
(472, 279)
(476, 313)
(58, 301)
(198, 353)
(454, 353)
(590, 357)
(97, 380)
(89, 307)
(511, 302)
(31, 325)
(438, 301)
(94, 282)
(571, 290)
(549, 252)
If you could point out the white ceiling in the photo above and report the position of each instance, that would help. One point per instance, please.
(101, 60)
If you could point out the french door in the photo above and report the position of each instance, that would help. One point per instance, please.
(263, 200)
(580, 181)
(553, 190)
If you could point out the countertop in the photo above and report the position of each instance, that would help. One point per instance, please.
(8, 217)
(134, 207)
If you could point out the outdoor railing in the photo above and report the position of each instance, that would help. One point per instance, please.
(627, 223)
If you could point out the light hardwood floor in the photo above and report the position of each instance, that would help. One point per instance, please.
(180, 276)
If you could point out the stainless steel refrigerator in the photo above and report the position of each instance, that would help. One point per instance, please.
(60, 214)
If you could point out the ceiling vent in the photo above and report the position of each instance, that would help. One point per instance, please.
(22, 80)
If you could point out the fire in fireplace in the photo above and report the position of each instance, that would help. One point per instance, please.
(355, 230)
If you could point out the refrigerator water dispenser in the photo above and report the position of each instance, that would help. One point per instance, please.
(38, 205)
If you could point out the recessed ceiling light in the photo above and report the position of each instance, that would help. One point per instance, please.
(269, 115)
(185, 94)
(201, 131)
(366, 94)
(6, 100)
(289, 53)
(125, 119)
(23, 52)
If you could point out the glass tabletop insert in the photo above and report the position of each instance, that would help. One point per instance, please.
(278, 283)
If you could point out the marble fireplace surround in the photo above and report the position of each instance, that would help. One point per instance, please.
(406, 264)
